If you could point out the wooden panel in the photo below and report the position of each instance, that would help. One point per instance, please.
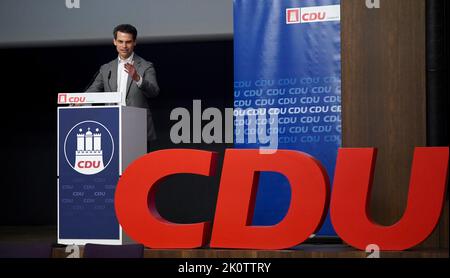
(384, 97)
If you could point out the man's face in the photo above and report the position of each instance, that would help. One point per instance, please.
(124, 44)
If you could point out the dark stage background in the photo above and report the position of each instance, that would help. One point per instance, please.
(32, 77)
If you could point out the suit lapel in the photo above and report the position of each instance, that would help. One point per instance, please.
(113, 80)
(128, 83)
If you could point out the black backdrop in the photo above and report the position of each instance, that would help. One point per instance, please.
(30, 81)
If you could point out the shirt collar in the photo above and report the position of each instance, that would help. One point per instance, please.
(128, 60)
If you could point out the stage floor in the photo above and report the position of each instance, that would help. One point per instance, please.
(30, 234)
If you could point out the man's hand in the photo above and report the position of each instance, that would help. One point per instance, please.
(131, 70)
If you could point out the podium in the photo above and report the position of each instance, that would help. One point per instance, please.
(95, 145)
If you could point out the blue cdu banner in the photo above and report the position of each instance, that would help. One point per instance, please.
(287, 63)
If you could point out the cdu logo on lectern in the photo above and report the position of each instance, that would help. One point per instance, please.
(88, 147)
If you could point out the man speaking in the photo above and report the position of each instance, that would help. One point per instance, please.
(130, 75)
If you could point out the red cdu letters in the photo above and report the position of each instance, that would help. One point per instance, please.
(236, 200)
(135, 198)
(136, 212)
(350, 197)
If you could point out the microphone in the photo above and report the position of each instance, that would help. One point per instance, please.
(92, 81)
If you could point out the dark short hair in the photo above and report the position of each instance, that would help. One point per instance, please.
(125, 28)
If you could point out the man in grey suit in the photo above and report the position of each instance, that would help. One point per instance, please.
(129, 74)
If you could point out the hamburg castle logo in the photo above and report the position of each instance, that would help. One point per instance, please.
(88, 153)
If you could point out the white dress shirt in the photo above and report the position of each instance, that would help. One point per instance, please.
(122, 78)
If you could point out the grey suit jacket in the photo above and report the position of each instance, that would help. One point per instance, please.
(106, 81)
